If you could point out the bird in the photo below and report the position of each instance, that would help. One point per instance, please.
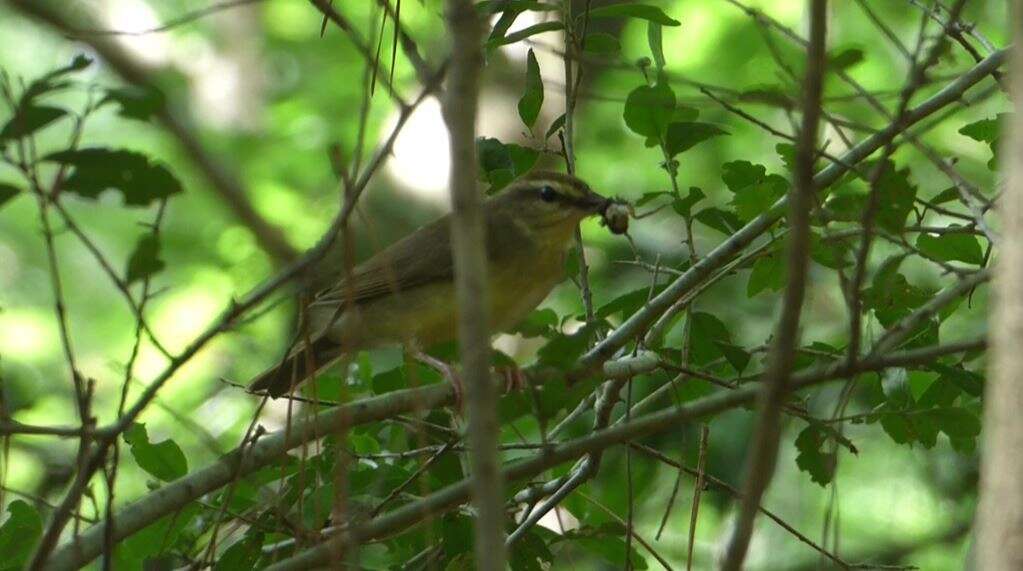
(405, 294)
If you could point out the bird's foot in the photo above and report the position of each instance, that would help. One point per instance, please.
(514, 378)
(448, 372)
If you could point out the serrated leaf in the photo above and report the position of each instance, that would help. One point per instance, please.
(7, 192)
(164, 460)
(768, 274)
(140, 181)
(524, 33)
(682, 136)
(19, 534)
(895, 196)
(706, 331)
(988, 131)
(736, 356)
(648, 110)
(957, 422)
(787, 154)
(721, 220)
(501, 163)
(640, 11)
(951, 247)
(29, 119)
(134, 102)
(532, 99)
(738, 175)
(755, 199)
(811, 459)
(145, 260)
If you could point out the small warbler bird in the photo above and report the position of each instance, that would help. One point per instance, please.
(406, 292)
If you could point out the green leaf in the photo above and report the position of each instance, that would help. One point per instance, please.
(524, 33)
(845, 59)
(988, 131)
(48, 83)
(19, 534)
(539, 323)
(140, 181)
(895, 299)
(956, 422)
(919, 382)
(135, 103)
(721, 220)
(562, 351)
(951, 247)
(738, 175)
(530, 554)
(601, 43)
(706, 331)
(628, 303)
(495, 6)
(648, 110)
(640, 11)
(164, 460)
(500, 163)
(7, 192)
(787, 153)
(757, 198)
(684, 206)
(948, 195)
(556, 125)
(811, 459)
(846, 206)
(895, 195)
(145, 260)
(681, 137)
(768, 274)
(649, 197)
(242, 555)
(532, 99)
(736, 356)
(653, 38)
(29, 119)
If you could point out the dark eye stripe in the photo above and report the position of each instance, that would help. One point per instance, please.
(548, 194)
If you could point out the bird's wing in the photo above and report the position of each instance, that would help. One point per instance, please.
(417, 259)
(420, 258)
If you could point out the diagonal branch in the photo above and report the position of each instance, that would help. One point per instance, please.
(452, 496)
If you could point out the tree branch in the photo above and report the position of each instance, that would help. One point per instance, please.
(766, 435)
(1000, 515)
(471, 285)
(454, 495)
(721, 254)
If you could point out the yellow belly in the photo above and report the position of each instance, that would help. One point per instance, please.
(427, 314)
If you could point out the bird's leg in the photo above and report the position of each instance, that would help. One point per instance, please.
(514, 378)
(447, 371)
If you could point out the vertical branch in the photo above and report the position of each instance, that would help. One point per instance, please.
(764, 452)
(467, 228)
(1000, 519)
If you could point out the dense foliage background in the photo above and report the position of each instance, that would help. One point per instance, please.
(679, 110)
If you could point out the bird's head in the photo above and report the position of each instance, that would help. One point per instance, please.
(546, 201)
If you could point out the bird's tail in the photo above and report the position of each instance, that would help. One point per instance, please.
(302, 363)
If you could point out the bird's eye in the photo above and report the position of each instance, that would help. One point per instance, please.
(548, 194)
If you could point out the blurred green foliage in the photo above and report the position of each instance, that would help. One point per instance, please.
(270, 95)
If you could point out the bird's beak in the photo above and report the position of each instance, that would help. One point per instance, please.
(594, 203)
